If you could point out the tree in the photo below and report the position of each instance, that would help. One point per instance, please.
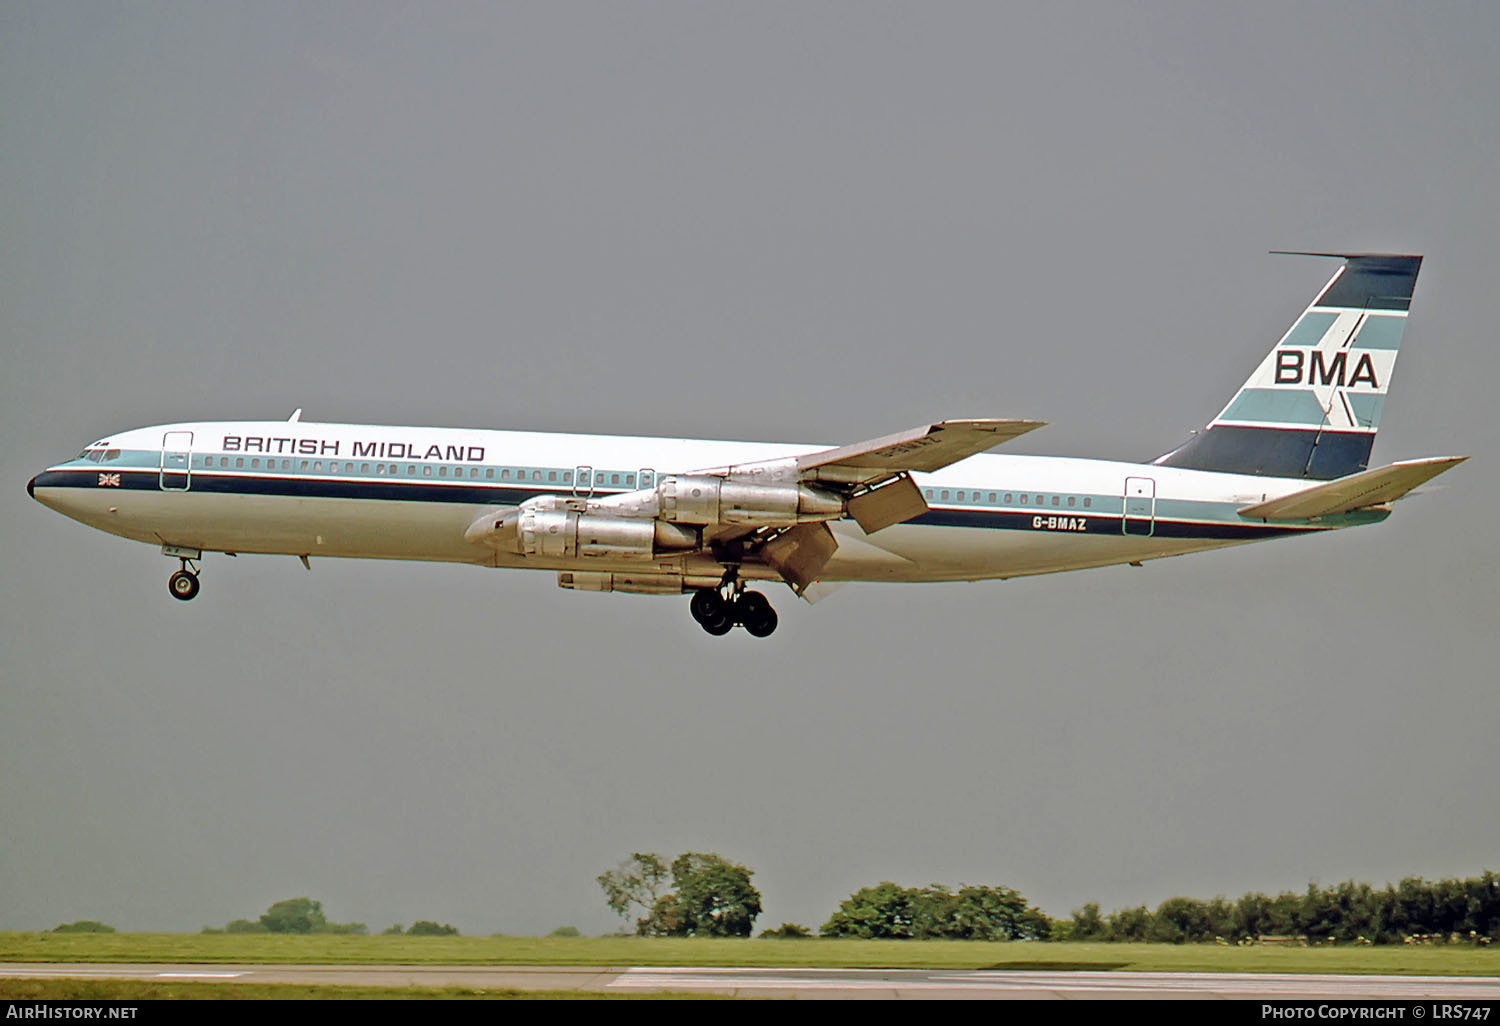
(882, 911)
(295, 915)
(711, 896)
(427, 928)
(714, 897)
(1087, 924)
(638, 880)
(970, 913)
(245, 926)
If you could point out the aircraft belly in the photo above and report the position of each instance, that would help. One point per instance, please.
(928, 553)
(218, 522)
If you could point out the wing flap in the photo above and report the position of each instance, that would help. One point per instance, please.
(892, 503)
(800, 554)
(1367, 488)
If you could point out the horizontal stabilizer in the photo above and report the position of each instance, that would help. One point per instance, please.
(1367, 488)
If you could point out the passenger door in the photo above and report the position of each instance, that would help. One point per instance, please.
(176, 461)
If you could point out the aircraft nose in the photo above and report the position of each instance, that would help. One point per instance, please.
(31, 488)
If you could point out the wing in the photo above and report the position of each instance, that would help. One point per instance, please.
(925, 449)
(873, 477)
(775, 512)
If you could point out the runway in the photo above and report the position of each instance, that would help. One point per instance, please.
(801, 983)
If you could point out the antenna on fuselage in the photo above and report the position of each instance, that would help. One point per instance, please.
(296, 416)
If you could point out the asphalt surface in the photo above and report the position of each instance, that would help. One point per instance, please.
(803, 983)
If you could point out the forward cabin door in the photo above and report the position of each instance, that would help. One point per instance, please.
(1140, 506)
(176, 461)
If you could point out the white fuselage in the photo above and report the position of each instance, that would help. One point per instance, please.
(360, 491)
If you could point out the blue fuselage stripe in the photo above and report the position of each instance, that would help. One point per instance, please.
(481, 494)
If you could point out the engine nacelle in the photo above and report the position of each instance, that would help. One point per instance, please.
(703, 499)
(630, 583)
(563, 534)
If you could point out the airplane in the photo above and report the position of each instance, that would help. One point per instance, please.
(1288, 455)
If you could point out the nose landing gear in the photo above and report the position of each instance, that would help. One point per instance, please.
(718, 615)
(184, 583)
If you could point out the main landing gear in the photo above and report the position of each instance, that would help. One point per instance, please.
(184, 583)
(719, 614)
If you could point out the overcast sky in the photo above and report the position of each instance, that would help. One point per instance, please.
(804, 222)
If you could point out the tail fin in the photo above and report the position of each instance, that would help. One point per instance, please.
(1312, 407)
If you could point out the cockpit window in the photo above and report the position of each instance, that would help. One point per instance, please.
(96, 453)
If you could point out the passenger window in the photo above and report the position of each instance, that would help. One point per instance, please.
(536, 475)
(960, 496)
(364, 468)
(473, 472)
(318, 466)
(427, 471)
(442, 471)
(1024, 498)
(567, 477)
(1072, 501)
(239, 461)
(1056, 500)
(255, 464)
(349, 468)
(1008, 498)
(551, 475)
(992, 496)
(1038, 500)
(1087, 501)
(614, 479)
(489, 472)
(505, 474)
(929, 493)
(629, 480)
(333, 468)
(945, 494)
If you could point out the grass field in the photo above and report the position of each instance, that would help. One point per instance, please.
(140, 990)
(1421, 960)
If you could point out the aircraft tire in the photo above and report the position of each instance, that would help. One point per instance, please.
(756, 614)
(707, 607)
(183, 585)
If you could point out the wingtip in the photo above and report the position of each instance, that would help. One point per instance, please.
(1346, 256)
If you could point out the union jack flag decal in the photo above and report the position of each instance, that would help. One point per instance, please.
(112, 480)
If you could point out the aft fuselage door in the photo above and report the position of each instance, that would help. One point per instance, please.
(1140, 506)
(583, 481)
(176, 461)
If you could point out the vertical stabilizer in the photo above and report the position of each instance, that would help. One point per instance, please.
(1312, 407)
